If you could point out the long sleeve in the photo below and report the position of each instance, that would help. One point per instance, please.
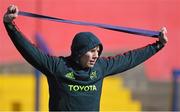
(128, 60)
(41, 61)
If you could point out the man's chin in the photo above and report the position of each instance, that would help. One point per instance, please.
(90, 66)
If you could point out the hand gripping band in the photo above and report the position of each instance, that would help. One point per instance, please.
(136, 31)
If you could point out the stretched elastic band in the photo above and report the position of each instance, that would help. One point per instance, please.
(104, 26)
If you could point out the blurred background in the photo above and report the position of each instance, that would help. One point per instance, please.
(151, 86)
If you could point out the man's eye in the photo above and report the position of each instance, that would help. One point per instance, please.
(92, 50)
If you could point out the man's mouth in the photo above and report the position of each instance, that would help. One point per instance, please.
(92, 62)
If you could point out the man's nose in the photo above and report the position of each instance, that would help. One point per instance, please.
(96, 55)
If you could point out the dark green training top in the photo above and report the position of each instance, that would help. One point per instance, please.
(70, 86)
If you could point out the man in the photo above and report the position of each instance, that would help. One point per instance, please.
(75, 82)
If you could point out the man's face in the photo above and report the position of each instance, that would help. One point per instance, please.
(89, 59)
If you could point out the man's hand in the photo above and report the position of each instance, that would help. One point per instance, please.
(163, 38)
(11, 14)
